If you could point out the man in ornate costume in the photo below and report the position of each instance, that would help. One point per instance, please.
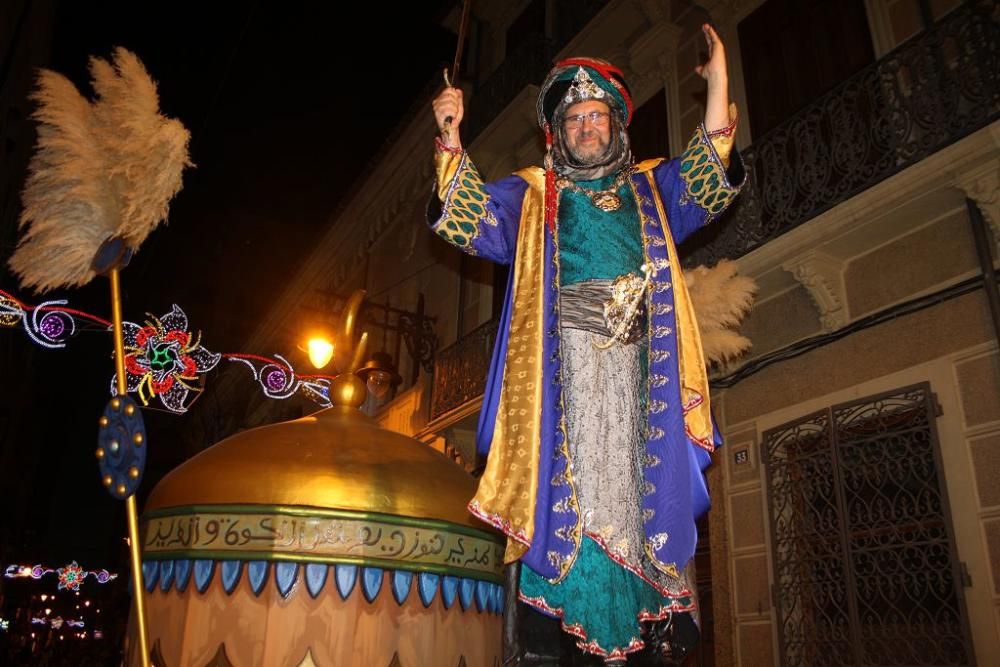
(596, 414)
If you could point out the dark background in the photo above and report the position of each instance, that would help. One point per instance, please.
(287, 103)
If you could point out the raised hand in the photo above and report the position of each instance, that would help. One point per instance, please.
(449, 105)
(715, 68)
(716, 73)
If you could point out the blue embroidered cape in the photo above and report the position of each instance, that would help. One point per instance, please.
(528, 490)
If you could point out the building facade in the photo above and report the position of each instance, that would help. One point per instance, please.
(856, 515)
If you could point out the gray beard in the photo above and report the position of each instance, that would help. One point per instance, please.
(591, 160)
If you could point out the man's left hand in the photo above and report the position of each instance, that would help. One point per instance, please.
(714, 70)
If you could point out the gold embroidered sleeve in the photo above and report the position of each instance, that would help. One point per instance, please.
(464, 200)
(723, 140)
(711, 177)
(446, 164)
(479, 218)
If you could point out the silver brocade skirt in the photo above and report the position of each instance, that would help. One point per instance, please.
(605, 397)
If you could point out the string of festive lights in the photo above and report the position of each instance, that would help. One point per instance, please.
(164, 360)
(278, 380)
(48, 324)
(57, 622)
(71, 576)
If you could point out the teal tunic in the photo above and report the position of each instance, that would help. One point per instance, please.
(596, 244)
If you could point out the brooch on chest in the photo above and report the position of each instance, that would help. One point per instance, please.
(607, 199)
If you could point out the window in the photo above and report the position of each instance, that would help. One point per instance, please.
(529, 24)
(865, 571)
(649, 133)
(793, 51)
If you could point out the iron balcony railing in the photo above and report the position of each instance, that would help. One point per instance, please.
(460, 369)
(928, 93)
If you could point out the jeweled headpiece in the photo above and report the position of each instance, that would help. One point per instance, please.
(580, 79)
(583, 88)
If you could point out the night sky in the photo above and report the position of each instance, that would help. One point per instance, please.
(286, 103)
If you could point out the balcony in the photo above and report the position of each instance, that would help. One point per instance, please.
(926, 94)
(460, 371)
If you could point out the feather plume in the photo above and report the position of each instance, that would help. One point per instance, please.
(721, 298)
(101, 169)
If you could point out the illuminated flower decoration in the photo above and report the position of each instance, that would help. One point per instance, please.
(163, 359)
(70, 577)
(56, 622)
(4, 624)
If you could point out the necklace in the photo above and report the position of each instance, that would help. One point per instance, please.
(607, 200)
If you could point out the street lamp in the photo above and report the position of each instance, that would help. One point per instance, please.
(320, 352)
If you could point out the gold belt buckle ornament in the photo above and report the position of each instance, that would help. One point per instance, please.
(624, 312)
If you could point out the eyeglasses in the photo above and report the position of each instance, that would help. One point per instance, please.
(596, 118)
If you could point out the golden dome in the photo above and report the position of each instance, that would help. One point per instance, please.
(335, 459)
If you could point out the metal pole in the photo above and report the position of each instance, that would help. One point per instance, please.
(985, 262)
(138, 594)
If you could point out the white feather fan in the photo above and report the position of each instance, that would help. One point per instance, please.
(102, 169)
(720, 298)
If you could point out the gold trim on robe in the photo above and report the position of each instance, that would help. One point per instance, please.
(690, 359)
(509, 485)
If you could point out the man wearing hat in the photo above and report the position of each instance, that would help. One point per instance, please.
(596, 415)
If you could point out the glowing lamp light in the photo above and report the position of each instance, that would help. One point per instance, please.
(320, 352)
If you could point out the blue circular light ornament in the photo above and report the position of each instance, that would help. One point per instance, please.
(121, 447)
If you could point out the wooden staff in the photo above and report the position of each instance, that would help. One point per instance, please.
(457, 62)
